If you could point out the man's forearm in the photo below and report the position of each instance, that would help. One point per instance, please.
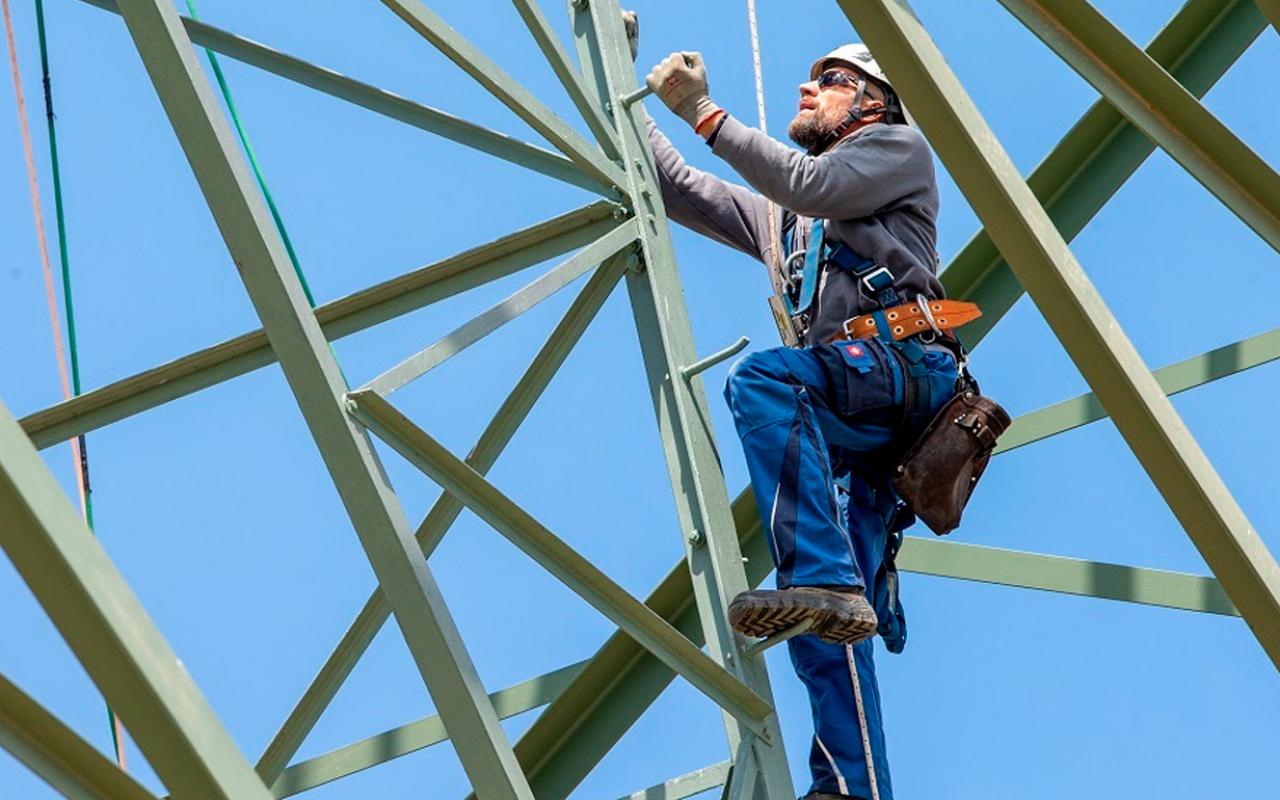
(724, 211)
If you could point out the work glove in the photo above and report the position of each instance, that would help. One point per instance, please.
(680, 81)
(631, 23)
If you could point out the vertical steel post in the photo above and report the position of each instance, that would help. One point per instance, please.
(1042, 262)
(314, 377)
(666, 339)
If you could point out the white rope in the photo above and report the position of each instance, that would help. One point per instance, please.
(774, 255)
(862, 723)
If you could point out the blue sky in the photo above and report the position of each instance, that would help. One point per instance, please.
(218, 510)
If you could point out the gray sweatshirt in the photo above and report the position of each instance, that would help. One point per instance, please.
(875, 188)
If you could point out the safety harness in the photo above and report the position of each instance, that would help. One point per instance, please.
(876, 282)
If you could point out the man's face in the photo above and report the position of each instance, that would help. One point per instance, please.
(823, 110)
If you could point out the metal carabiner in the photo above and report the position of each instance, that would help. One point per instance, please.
(928, 317)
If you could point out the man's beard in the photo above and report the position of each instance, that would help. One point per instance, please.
(811, 132)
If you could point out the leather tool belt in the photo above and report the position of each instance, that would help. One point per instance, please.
(909, 319)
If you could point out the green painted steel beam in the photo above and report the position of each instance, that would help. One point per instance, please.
(415, 736)
(504, 311)
(621, 681)
(688, 785)
(496, 436)
(1065, 575)
(554, 555)
(316, 381)
(570, 77)
(111, 634)
(1198, 45)
(57, 754)
(1188, 374)
(342, 317)
(380, 101)
(1102, 150)
(1272, 9)
(507, 90)
(1160, 107)
(680, 405)
(1062, 291)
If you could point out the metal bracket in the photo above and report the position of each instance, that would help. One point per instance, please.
(759, 647)
(627, 100)
(715, 358)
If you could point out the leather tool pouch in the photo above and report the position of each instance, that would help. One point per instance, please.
(938, 473)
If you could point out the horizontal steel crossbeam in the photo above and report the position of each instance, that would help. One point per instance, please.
(496, 436)
(504, 311)
(380, 101)
(338, 318)
(688, 785)
(415, 736)
(574, 571)
(621, 680)
(1188, 374)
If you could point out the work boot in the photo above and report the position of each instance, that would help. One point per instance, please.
(840, 615)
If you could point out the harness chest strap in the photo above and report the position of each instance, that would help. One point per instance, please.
(909, 319)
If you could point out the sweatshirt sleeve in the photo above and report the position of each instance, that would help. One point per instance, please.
(859, 176)
(729, 213)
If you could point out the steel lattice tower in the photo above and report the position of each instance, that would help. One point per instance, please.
(1149, 99)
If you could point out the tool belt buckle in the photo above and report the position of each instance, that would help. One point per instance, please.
(848, 331)
(873, 274)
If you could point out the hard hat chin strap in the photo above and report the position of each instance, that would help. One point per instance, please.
(855, 115)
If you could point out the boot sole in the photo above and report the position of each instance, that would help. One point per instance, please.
(764, 614)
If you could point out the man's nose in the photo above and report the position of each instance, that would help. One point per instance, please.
(809, 89)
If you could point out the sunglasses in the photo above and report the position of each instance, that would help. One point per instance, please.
(834, 77)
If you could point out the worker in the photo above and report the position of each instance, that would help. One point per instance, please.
(857, 233)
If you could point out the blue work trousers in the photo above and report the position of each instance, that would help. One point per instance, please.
(808, 418)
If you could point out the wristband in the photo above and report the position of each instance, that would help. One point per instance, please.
(711, 117)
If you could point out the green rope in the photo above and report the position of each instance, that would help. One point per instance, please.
(253, 162)
(67, 301)
(262, 181)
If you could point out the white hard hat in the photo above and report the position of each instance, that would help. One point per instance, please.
(855, 55)
(858, 56)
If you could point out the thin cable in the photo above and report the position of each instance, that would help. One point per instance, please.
(261, 179)
(774, 255)
(79, 450)
(253, 162)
